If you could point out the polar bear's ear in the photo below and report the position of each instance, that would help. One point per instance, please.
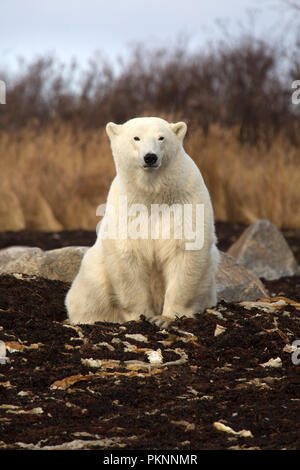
(179, 129)
(113, 129)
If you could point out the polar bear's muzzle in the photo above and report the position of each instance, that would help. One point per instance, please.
(151, 161)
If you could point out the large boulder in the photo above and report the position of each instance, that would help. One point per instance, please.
(235, 282)
(61, 264)
(21, 259)
(263, 249)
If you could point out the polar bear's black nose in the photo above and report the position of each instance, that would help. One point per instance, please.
(150, 159)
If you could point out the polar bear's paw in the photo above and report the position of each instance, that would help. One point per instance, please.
(160, 320)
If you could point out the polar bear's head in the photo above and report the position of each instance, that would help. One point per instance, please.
(145, 144)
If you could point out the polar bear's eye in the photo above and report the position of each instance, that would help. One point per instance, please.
(161, 138)
(136, 138)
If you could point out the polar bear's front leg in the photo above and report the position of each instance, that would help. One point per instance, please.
(131, 285)
(191, 286)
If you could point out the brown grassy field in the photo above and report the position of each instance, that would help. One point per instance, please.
(53, 178)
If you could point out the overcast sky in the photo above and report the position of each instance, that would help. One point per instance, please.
(76, 28)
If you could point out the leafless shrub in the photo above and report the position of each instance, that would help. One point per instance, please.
(241, 84)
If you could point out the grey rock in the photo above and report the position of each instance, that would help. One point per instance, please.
(263, 249)
(235, 283)
(18, 259)
(61, 264)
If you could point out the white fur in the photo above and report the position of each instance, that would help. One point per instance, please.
(121, 279)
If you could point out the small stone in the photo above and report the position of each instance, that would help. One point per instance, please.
(273, 363)
(221, 427)
(154, 357)
(137, 337)
(219, 330)
(3, 358)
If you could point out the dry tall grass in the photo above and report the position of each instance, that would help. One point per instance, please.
(54, 178)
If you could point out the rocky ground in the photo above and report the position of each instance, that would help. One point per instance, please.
(227, 235)
(223, 381)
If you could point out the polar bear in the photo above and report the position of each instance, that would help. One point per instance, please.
(158, 275)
